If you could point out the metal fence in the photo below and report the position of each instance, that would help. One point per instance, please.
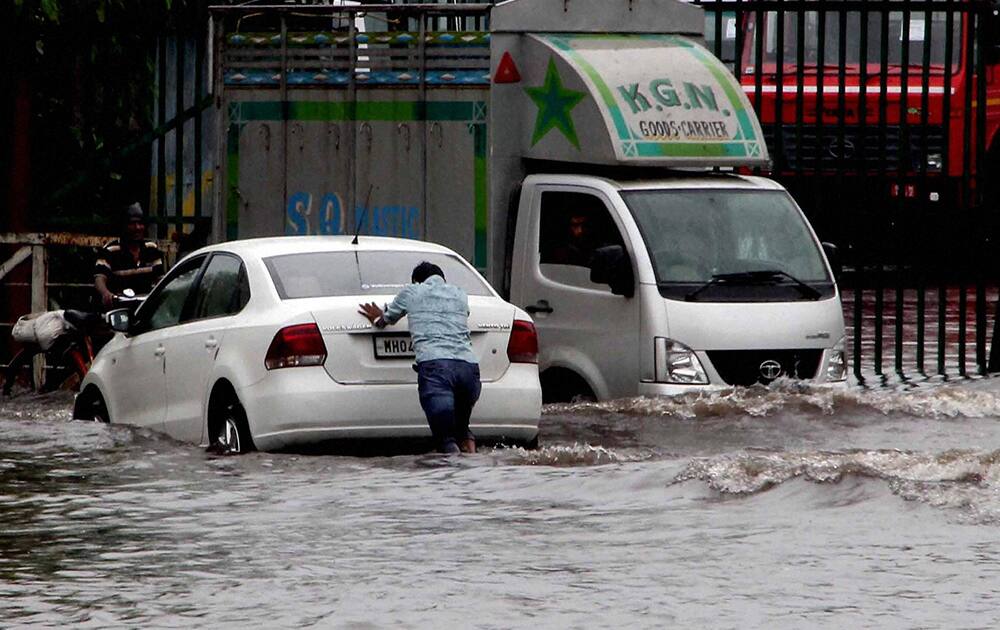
(874, 115)
(57, 278)
(183, 140)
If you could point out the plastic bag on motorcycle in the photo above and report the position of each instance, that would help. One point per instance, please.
(41, 328)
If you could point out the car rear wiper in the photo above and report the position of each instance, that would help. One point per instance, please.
(754, 277)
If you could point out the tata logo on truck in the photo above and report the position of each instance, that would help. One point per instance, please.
(661, 96)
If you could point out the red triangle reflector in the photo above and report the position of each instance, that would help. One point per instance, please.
(507, 70)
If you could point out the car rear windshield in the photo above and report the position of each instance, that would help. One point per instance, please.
(330, 274)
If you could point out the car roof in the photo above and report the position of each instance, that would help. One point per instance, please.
(281, 245)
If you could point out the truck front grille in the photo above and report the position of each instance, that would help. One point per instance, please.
(866, 148)
(746, 367)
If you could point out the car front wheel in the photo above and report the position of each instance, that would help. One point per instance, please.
(90, 405)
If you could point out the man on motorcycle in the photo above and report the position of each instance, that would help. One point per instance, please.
(129, 262)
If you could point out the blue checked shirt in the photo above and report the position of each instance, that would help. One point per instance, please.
(439, 320)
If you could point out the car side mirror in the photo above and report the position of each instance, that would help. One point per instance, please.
(120, 320)
(833, 255)
(611, 265)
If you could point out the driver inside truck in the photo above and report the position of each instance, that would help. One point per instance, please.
(578, 243)
(573, 226)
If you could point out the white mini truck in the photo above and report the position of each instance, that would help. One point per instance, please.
(585, 156)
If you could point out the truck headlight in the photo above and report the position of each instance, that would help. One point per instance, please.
(676, 363)
(934, 162)
(836, 363)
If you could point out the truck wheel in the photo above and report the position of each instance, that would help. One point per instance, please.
(560, 385)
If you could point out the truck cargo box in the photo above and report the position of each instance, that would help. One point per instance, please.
(418, 120)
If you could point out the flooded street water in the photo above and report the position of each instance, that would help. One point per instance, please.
(781, 507)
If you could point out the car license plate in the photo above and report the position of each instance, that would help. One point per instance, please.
(393, 347)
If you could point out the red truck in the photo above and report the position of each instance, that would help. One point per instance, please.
(872, 115)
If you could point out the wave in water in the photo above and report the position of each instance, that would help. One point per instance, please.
(943, 401)
(570, 455)
(967, 480)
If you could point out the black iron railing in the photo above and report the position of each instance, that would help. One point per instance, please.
(879, 116)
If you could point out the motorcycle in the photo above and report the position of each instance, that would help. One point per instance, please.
(66, 338)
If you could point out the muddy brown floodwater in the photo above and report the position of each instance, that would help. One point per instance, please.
(760, 508)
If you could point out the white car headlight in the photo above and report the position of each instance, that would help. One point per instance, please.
(836, 363)
(676, 363)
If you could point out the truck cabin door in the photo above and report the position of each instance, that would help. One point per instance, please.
(582, 326)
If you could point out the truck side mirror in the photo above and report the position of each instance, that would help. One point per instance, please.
(611, 265)
(833, 255)
(120, 320)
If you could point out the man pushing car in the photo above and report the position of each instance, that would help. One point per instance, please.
(447, 369)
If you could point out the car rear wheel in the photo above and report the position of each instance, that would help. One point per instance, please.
(230, 432)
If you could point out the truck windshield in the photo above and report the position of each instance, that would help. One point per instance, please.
(932, 33)
(697, 236)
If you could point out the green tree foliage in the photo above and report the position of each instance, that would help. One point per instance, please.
(91, 67)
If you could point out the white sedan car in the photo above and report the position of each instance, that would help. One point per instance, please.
(259, 344)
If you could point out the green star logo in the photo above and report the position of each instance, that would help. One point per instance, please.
(554, 104)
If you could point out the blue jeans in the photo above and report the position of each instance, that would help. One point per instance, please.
(448, 389)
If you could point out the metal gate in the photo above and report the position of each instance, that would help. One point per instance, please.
(873, 112)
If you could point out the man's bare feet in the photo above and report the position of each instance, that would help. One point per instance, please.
(468, 446)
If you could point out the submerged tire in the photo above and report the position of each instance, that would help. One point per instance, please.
(564, 386)
(101, 410)
(90, 406)
(229, 431)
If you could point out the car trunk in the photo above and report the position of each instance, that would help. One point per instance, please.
(367, 355)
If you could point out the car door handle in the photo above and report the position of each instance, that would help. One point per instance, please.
(211, 342)
(541, 306)
(160, 351)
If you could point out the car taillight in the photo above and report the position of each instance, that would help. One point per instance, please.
(296, 346)
(523, 344)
